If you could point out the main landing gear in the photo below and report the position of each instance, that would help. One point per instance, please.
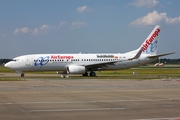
(64, 75)
(90, 74)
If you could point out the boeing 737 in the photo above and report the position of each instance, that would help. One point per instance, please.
(87, 64)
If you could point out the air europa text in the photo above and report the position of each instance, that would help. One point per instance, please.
(61, 57)
(151, 39)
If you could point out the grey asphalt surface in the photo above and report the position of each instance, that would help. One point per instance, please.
(89, 99)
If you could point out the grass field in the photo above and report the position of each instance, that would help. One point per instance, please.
(140, 73)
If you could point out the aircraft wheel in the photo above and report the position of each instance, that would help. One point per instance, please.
(92, 73)
(22, 74)
(62, 76)
(65, 76)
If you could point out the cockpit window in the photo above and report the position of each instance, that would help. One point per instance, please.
(15, 60)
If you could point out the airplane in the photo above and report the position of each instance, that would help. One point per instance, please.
(87, 64)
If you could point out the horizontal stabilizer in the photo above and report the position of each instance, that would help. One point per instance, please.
(159, 55)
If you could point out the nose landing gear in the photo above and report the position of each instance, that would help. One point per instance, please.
(22, 74)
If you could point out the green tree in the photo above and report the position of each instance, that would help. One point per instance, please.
(3, 61)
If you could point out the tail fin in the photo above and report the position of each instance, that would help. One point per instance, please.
(150, 45)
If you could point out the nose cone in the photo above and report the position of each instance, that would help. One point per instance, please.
(8, 65)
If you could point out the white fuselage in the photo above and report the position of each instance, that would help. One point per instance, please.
(59, 62)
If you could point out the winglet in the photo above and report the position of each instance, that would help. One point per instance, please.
(138, 54)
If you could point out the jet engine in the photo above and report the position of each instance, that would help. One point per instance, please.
(75, 69)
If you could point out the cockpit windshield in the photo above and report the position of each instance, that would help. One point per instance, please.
(15, 60)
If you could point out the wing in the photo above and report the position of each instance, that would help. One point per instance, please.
(160, 55)
(97, 66)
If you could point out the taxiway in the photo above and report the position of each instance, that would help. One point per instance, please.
(90, 99)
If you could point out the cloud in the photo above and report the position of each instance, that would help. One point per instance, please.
(154, 18)
(63, 23)
(25, 30)
(22, 30)
(16, 31)
(145, 3)
(78, 24)
(44, 29)
(173, 20)
(41, 30)
(84, 9)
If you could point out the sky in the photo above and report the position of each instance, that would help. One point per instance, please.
(86, 26)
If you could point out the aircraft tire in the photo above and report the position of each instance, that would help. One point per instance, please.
(92, 73)
(22, 74)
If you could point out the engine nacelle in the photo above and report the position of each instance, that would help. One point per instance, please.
(75, 69)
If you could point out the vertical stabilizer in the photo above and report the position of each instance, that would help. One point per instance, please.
(150, 45)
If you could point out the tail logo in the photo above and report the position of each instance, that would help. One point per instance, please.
(151, 39)
(153, 46)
